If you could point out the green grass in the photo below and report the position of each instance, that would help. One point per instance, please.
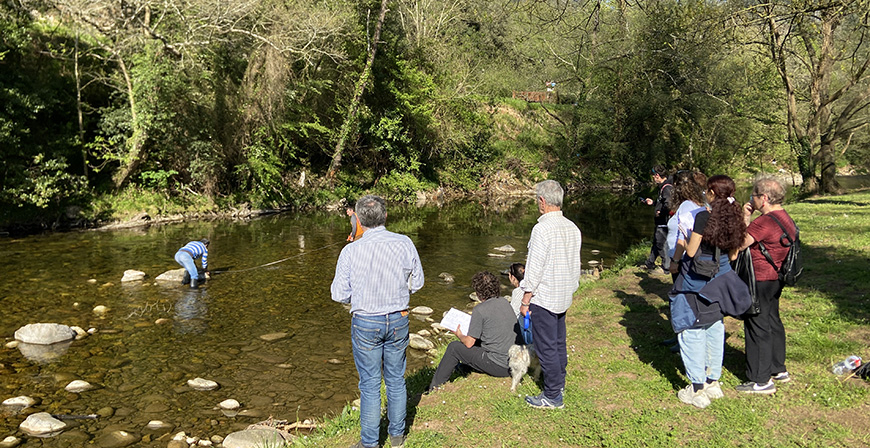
(621, 383)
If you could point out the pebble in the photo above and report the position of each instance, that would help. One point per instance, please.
(422, 310)
(22, 401)
(229, 404)
(505, 248)
(495, 255)
(12, 344)
(271, 337)
(100, 309)
(40, 424)
(9, 442)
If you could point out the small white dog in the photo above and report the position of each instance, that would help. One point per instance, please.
(521, 358)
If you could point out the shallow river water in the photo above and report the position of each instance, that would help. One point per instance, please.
(141, 367)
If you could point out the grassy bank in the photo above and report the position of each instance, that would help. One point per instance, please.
(621, 385)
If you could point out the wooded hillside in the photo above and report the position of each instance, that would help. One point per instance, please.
(221, 101)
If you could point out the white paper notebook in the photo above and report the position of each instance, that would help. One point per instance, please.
(455, 317)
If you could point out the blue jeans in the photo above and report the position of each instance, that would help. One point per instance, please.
(702, 350)
(380, 340)
(184, 258)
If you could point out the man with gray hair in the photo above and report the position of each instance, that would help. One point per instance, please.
(552, 276)
(376, 275)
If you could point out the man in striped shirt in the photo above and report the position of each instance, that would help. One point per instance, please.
(186, 256)
(552, 276)
(377, 275)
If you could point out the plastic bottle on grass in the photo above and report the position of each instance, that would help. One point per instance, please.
(849, 364)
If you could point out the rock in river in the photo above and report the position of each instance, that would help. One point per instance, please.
(505, 248)
(41, 424)
(78, 386)
(10, 442)
(174, 275)
(419, 342)
(19, 402)
(229, 404)
(254, 438)
(44, 334)
(202, 384)
(422, 310)
(116, 439)
(132, 275)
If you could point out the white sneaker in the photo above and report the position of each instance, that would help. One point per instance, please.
(697, 399)
(713, 390)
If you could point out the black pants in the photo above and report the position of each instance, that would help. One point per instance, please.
(473, 357)
(765, 335)
(548, 331)
(659, 249)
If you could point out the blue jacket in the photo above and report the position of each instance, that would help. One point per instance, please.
(696, 302)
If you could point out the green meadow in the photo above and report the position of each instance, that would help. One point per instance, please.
(622, 383)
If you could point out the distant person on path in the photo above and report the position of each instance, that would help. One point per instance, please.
(356, 229)
(662, 213)
(765, 333)
(552, 275)
(376, 275)
(700, 298)
(186, 256)
(491, 333)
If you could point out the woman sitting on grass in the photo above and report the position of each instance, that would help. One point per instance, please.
(699, 300)
(491, 333)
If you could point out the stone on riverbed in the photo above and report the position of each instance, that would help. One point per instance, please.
(505, 248)
(132, 275)
(422, 310)
(42, 424)
(419, 342)
(254, 438)
(100, 310)
(22, 402)
(495, 255)
(116, 439)
(271, 337)
(202, 384)
(10, 442)
(174, 275)
(78, 386)
(446, 277)
(229, 404)
(44, 333)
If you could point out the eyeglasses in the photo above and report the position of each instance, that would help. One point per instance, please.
(758, 195)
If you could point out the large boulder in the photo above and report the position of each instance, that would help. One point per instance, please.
(42, 424)
(174, 275)
(44, 334)
(254, 438)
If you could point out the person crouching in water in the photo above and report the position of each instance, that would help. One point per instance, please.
(491, 333)
(703, 295)
(186, 256)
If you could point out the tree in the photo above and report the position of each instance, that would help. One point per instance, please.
(822, 55)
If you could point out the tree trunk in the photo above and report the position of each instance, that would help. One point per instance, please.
(79, 106)
(350, 119)
(137, 140)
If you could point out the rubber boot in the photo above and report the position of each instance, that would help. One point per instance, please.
(186, 278)
(193, 284)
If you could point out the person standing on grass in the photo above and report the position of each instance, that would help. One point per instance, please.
(765, 333)
(491, 333)
(376, 275)
(662, 213)
(701, 299)
(552, 275)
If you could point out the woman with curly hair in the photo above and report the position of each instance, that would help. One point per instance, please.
(707, 289)
(492, 331)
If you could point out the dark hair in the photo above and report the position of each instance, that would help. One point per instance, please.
(660, 170)
(518, 270)
(485, 285)
(688, 188)
(726, 227)
(371, 211)
(204, 241)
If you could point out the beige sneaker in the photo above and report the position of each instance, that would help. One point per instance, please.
(697, 399)
(713, 390)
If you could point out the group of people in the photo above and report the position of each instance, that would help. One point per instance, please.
(706, 229)
(378, 272)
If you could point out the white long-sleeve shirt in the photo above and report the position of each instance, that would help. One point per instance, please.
(553, 263)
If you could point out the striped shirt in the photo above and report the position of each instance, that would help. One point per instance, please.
(377, 273)
(196, 249)
(553, 262)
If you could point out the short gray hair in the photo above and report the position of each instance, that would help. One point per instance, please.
(371, 211)
(772, 188)
(551, 191)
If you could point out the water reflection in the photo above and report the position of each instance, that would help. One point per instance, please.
(42, 354)
(191, 310)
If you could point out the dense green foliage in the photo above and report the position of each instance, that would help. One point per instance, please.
(239, 101)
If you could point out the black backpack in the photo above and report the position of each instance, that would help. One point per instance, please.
(792, 266)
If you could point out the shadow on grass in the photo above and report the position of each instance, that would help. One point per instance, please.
(647, 327)
(841, 275)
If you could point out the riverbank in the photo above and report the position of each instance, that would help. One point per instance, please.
(621, 383)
